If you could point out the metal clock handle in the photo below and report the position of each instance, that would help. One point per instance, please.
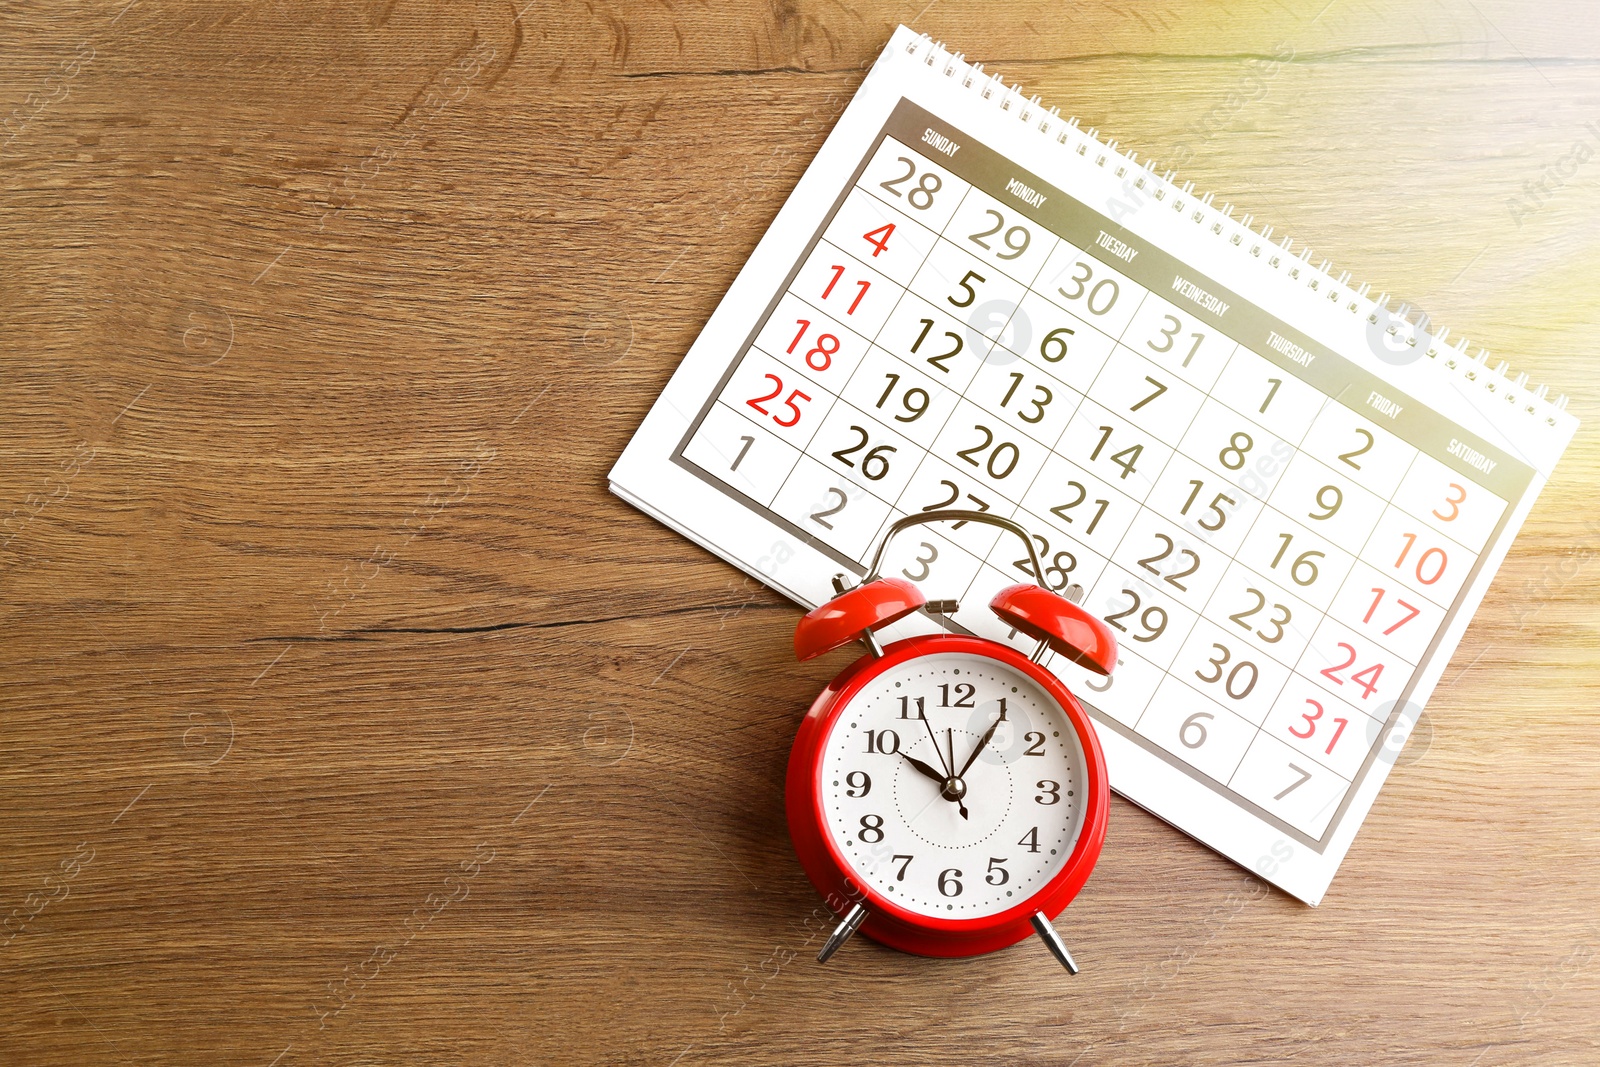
(952, 515)
(1073, 593)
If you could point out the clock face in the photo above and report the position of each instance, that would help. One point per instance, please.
(929, 819)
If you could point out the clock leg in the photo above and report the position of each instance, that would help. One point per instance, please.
(1052, 941)
(841, 933)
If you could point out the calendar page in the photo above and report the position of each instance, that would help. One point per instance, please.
(1285, 499)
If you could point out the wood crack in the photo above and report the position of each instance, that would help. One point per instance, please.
(1405, 52)
(369, 633)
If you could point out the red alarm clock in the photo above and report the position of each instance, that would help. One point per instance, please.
(947, 793)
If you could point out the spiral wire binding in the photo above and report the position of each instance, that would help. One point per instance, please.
(1239, 232)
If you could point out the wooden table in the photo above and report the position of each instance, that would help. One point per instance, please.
(348, 719)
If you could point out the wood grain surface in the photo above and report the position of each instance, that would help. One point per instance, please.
(347, 719)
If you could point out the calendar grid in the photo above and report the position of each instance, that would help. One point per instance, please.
(871, 343)
(993, 344)
(1293, 669)
(906, 291)
(799, 454)
(1086, 392)
(1141, 502)
(1275, 454)
(1388, 503)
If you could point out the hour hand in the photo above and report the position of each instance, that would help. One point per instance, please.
(924, 770)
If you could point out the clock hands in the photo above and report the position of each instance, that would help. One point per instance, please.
(982, 741)
(936, 750)
(952, 783)
(951, 787)
(943, 776)
(954, 789)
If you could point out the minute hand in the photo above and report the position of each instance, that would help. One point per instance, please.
(984, 740)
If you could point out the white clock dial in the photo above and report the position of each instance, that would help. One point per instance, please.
(900, 826)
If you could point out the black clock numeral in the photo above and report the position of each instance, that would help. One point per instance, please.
(859, 783)
(964, 694)
(1031, 839)
(996, 869)
(897, 859)
(883, 742)
(1051, 793)
(950, 882)
(871, 832)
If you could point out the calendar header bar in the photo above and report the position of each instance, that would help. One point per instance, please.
(1245, 323)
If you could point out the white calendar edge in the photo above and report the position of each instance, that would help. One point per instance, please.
(645, 477)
